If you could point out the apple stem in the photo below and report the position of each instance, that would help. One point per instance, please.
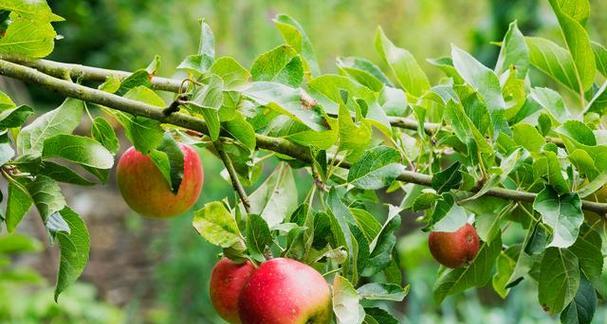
(227, 162)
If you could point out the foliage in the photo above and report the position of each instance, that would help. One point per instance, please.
(485, 145)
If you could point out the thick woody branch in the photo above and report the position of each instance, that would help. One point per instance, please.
(59, 70)
(278, 145)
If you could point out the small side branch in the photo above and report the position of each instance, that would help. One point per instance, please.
(227, 162)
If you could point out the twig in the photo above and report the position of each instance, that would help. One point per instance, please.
(278, 145)
(227, 162)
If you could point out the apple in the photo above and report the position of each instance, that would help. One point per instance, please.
(285, 291)
(454, 249)
(227, 280)
(148, 193)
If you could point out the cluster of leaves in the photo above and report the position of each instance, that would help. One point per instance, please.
(478, 129)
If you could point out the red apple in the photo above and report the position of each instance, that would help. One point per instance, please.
(148, 193)
(227, 280)
(454, 249)
(285, 291)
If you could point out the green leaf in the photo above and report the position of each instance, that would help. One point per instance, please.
(587, 248)
(483, 80)
(552, 102)
(14, 117)
(276, 198)
(196, 64)
(285, 100)
(241, 130)
(383, 244)
(600, 55)
(448, 179)
(380, 291)
(352, 138)
(364, 72)
(103, 132)
(513, 52)
(578, 42)
(578, 131)
(403, 65)
(18, 243)
(168, 158)
(230, 71)
(376, 168)
(346, 302)
(216, 225)
(379, 315)
(145, 134)
(340, 223)
(28, 36)
(47, 196)
(295, 36)
(63, 174)
(476, 274)
(74, 247)
(528, 137)
(367, 223)
(62, 120)
(553, 60)
(19, 202)
(563, 213)
(78, 149)
(559, 279)
(6, 149)
(280, 64)
(258, 236)
(583, 306)
(505, 265)
(464, 128)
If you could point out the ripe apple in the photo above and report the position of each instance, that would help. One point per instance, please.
(454, 249)
(285, 291)
(148, 193)
(227, 280)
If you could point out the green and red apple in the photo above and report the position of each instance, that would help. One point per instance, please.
(148, 193)
(454, 249)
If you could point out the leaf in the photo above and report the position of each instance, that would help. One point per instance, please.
(506, 263)
(367, 223)
(14, 117)
(18, 243)
(380, 316)
(513, 52)
(600, 55)
(280, 65)
(383, 244)
(19, 202)
(285, 100)
(587, 248)
(276, 198)
(376, 168)
(295, 36)
(528, 137)
(578, 43)
(242, 131)
(258, 236)
(553, 60)
(476, 274)
(62, 174)
(46, 195)
(78, 149)
(563, 213)
(30, 37)
(230, 71)
(379, 291)
(583, 306)
(74, 247)
(552, 102)
(103, 132)
(6, 149)
(353, 139)
(169, 160)
(207, 100)
(448, 179)
(216, 225)
(62, 120)
(145, 134)
(559, 279)
(578, 131)
(340, 220)
(483, 80)
(364, 72)
(403, 65)
(346, 304)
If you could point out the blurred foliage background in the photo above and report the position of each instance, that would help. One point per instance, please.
(149, 271)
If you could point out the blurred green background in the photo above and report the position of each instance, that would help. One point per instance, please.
(157, 272)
